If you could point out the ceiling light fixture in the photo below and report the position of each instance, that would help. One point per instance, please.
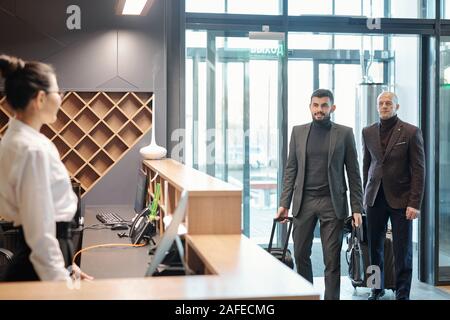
(266, 34)
(133, 7)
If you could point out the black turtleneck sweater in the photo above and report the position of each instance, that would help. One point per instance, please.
(386, 129)
(316, 169)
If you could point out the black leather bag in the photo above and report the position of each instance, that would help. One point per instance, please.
(356, 259)
(282, 254)
(348, 227)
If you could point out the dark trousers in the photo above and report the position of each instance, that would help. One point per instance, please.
(21, 268)
(331, 233)
(377, 218)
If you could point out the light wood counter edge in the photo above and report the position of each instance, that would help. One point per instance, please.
(210, 287)
(228, 191)
(235, 280)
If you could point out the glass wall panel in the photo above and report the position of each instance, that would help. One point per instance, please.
(368, 8)
(445, 9)
(390, 60)
(387, 59)
(272, 7)
(189, 96)
(241, 88)
(205, 6)
(309, 41)
(444, 162)
(338, 60)
(195, 39)
(246, 88)
(195, 96)
(348, 42)
(298, 7)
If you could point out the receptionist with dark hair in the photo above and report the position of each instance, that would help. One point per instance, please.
(35, 189)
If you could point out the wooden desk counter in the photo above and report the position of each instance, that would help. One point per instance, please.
(242, 271)
(186, 178)
(237, 260)
(232, 266)
(214, 206)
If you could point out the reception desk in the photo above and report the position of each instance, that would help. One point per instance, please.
(228, 264)
(236, 269)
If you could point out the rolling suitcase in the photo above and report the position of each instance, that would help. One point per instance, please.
(389, 262)
(282, 254)
(358, 260)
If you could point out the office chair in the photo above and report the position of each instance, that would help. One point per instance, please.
(8, 240)
(5, 259)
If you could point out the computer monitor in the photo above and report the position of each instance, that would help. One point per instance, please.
(78, 219)
(169, 236)
(141, 192)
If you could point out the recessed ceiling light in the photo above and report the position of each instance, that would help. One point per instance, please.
(133, 7)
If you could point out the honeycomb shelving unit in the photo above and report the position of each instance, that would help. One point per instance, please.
(94, 130)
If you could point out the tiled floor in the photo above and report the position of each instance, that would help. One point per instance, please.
(419, 291)
(445, 288)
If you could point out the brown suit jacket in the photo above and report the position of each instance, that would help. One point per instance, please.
(401, 169)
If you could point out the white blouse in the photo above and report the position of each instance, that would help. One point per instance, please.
(35, 192)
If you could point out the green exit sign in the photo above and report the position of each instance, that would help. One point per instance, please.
(268, 52)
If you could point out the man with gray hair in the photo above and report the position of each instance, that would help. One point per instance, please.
(393, 182)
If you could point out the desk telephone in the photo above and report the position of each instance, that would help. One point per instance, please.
(142, 229)
(144, 226)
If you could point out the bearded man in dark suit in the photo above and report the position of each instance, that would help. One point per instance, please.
(320, 154)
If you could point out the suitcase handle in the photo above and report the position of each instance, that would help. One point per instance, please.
(274, 225)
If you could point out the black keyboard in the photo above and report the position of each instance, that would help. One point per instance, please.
(109, 218)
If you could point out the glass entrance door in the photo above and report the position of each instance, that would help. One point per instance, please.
(341, 63)
(443, 219)
(238, 105)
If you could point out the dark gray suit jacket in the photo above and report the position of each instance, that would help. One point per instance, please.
(402, 168)
(342, 152)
